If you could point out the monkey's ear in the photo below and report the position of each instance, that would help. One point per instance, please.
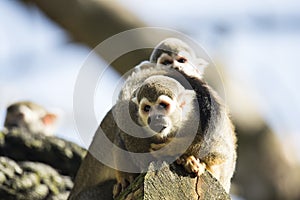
(186, 98)
(49, 119)
(134, 100)
(202, 64)
(144, 65)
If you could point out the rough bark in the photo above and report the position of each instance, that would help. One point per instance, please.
(32, 180)
(36, 167)
(172, 182)
(62, 155)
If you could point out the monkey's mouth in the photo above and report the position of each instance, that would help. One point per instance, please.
(158, 127)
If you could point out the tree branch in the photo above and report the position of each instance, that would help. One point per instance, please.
(93, 21)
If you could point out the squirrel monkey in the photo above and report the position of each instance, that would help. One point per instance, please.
(164, 109)
(30, 117)
(177, 54)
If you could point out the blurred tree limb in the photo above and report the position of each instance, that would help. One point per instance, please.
(92, 21)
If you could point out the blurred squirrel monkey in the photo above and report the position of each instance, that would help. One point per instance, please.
(30, 117)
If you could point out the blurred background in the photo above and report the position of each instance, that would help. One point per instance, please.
(254, 44)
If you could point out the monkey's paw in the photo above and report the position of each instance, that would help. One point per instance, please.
(192, 164)
(120, 186)
(155, 147)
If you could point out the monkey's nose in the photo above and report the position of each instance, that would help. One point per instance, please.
(155, 118)
(157, 123)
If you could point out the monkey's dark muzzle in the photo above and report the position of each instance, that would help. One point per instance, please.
(158, 123)
(11, 125)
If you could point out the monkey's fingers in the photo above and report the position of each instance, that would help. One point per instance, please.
(192, 164)
(121, 185)
(117, 190)
(155, 147)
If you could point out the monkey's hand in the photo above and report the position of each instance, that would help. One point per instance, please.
(192, 164)
(158, 146)
(123, 181)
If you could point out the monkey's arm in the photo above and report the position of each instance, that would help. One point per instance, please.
(217, 149)
(92, 171)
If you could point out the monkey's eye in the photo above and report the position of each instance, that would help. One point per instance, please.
(147, 108)
(163, 105)
(20, 116)
(181, 60)
(167, 62)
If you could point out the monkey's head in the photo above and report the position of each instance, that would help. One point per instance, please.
(30, 117)
(178, 55)
(162, 103)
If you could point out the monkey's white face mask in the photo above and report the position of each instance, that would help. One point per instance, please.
(165, 114)
(183, 61)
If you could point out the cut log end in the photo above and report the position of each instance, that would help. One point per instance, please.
(172, 182)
